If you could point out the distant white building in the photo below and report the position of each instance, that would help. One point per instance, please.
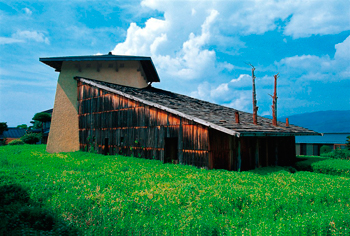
(310, 145)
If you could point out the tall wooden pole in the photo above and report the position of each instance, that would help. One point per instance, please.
(255, 108)
(274, 103)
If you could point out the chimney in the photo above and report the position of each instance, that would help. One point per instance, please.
(237, 117)
(287, 122)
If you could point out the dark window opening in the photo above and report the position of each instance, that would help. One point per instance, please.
(303, 149)
(106, 148)
(171, 150)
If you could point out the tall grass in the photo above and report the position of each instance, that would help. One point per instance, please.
(108, 195)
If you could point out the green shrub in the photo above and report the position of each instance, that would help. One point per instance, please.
(31, 138)
(305, 163)
(333, 167)
(338, 154)
(325, 149)
(16, 142)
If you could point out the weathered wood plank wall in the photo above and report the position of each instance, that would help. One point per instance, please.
(113, 124)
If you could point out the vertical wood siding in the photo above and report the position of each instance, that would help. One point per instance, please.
(135, 129)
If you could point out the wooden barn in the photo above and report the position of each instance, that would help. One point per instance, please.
(107, 103)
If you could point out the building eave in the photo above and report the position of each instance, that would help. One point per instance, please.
(146, 62)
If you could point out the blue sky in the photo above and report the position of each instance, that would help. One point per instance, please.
(199, 48)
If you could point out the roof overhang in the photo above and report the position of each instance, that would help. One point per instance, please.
(193, 118)
(270, 134)
(146, 62)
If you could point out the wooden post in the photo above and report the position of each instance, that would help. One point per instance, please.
(267, 152)
(274, 102)
(180, 144)
(257, 153)
(255, 108)
(231, 152)
(239, 160)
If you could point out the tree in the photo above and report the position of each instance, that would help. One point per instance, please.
(22, 126)
(3, 127)
(348, 142)
(325, 149)
(31, 138)
(41, 117)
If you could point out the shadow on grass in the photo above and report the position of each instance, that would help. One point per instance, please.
(304, 163)
(20, 215)
(273, 170)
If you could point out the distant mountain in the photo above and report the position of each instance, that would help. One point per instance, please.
(322, 121)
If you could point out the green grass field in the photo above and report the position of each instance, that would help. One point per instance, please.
(89, 194)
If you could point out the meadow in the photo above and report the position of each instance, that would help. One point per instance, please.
(82, 193)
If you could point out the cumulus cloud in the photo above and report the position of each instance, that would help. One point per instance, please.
(343, 50)
(185, 45)
(318, 18)
(143, 41)
(24, 36)
(312, 67)
(184, 42)
(189, 62)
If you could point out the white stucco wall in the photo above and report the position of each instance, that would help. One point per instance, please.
(64, 130)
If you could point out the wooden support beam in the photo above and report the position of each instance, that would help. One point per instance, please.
(257, 153)
(231, 152)
(239, 157)
(180, 142)
(267, 152)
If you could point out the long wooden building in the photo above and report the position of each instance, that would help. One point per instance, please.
(106, 103)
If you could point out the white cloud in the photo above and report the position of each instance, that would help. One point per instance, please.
(189, 62)
(23, 36)
(27, 11)
(343, 50)
(312, 67)
(187, 42)
(31, 35)
(318, 17)
(141, 41)
(236, 93)
(5, 40)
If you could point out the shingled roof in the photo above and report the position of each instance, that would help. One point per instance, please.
(209, 114)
